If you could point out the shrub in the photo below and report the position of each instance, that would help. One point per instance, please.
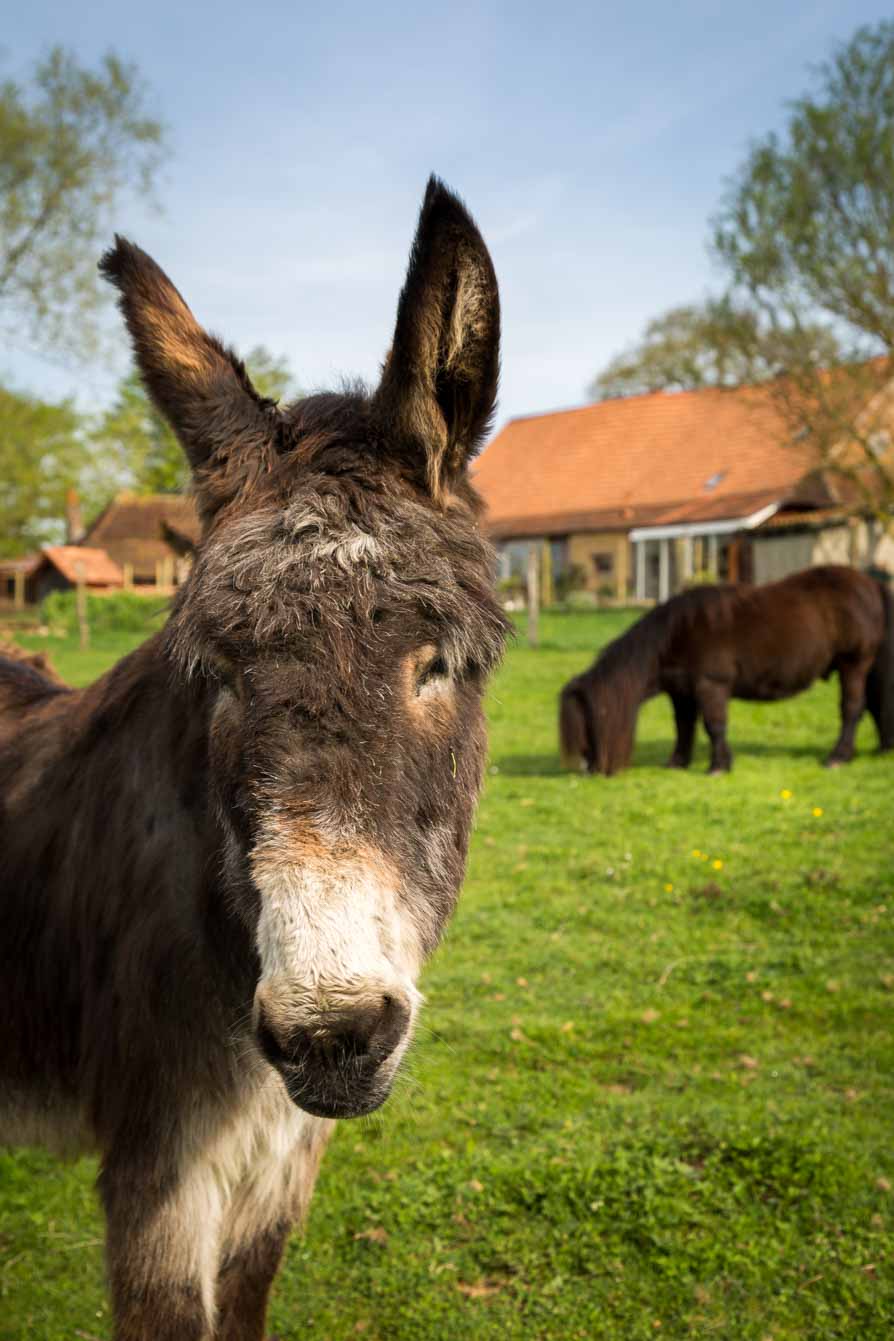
(581, 600)
(121, 611)
(571, 579)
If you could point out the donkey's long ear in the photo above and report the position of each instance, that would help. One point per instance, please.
(439, 384)
(201, 388)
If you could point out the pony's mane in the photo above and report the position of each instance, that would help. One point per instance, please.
(625, 672)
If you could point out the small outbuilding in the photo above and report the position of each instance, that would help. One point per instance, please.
(62, 567)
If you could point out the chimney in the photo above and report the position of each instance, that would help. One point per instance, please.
(74, 525)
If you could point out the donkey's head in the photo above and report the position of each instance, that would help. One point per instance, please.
(340, 624)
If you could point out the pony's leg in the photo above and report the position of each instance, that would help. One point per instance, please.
(853, 700)
(161, 1247)
(713, 700)
(685, 717)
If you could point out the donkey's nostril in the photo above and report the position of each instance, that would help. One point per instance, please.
(269, 1044)
(365, 1035)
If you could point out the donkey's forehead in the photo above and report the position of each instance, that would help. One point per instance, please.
(318, 568)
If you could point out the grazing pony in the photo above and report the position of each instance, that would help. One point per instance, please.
(224, 863)
(711, 644)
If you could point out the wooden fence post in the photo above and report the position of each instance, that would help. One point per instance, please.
(533, 594)
(81, 602)
(546, 575)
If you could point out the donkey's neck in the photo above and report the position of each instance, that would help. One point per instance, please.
(113, 925)
(110, 808)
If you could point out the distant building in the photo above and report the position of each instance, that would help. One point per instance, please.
(647, 493)
(14, 575)
(147, 536)
(62, 567)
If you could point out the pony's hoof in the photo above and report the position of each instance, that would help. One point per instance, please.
(836, 763)
(717, 772)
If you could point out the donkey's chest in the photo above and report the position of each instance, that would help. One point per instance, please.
(256, 1164)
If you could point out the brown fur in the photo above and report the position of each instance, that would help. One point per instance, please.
(269, 755)
(38, 660)
(711, 644)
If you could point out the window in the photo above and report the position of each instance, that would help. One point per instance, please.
(604, 563)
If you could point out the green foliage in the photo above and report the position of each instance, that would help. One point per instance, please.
(119, 612)
(572, 578)
(72, 142)
(134, 445)
(809, 220)
(646, 1090)
(271, 376)
(806, 237)
(717, 343)
(807, 234)
(137, 443)
(41, 455)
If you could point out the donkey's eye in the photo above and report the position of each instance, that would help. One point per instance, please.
(436, 669)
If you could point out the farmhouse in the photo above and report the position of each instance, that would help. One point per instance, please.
(643, 494)
(147, 536)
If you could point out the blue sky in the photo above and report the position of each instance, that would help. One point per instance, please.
(591, 142)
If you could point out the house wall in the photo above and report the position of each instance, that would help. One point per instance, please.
(777, 556)
(834, 545)
(46, 581)
(586, 545)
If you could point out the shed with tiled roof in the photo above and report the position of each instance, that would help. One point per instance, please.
(62, 567)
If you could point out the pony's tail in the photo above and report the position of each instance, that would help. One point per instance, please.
(880, 681)
(575, 742)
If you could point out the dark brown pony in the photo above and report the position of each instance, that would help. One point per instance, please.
(224, 863)
(711, 644)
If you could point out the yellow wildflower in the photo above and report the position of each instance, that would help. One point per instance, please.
(785, 794)
(695, 852)
(718, 864)
(817, 811)
(668, 889)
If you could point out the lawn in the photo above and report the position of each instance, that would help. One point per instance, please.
(653, 1094)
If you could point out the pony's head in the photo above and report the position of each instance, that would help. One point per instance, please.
(339, 625)
(597, 717)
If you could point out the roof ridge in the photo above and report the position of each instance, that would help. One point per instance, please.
(656, 392)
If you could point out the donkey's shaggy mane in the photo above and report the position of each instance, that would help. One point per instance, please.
(335, 544)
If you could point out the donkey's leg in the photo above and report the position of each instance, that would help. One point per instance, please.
(853, 700)
(274, 1196)
(244, 1282)
(162, 1249)
(685, 717)
(713, 699)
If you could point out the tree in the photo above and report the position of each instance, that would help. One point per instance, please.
(41, 455)
(806, 233)
(72, 142)
(718, 343)
(135, 446)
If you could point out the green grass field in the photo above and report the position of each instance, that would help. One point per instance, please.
(653, 1094)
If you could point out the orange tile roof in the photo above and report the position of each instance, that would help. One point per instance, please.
(74, 561)
(654, 459)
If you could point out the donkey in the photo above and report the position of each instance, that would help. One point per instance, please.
(711, 644)
(224, 863)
